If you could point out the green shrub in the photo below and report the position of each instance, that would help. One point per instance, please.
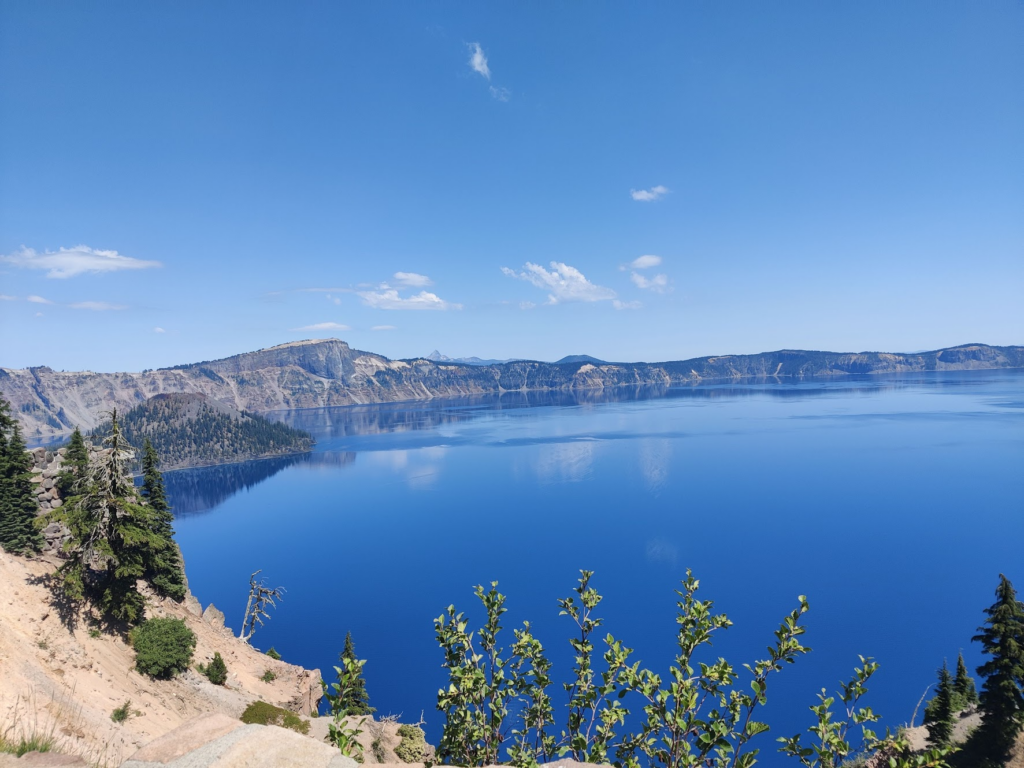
(269, 676)
(413, 747)
(163, 647)
(122, 713)
(33, 743)
(262, 713)
(274, 654)
(216, 671)
(94, 633)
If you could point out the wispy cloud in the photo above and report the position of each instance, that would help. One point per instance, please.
(563, 283)
(478, 60)
(526, 305)
(384, 328)
(38, 300)
(388, 298)
(626, 304)
(648, 195)
(412, 279)
(96, 306)
(69, 262)
(645, 262)
(501, 94)
(324, 327)
(333, 299)
(158, 329)
(658, 283)
(4, 297)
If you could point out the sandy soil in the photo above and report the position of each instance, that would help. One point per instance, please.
(59, 679)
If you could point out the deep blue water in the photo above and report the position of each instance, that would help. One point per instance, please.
(893, 503)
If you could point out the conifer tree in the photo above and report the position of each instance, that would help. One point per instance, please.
(75, 466)
(18, 505)
(112, 541)
(1001, 701)
(165, 571)
(940, 730)
(356, 701)
(964, 694)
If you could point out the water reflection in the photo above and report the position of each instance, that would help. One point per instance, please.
(192, 491)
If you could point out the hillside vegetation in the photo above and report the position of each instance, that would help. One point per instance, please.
(190, 430)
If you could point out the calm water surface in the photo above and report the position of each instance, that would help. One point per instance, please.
(893, 503)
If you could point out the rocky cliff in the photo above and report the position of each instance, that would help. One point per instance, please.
(312, 374)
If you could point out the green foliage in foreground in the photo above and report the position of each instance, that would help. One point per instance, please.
(18, 506)
(163, 647)
(262, 713)
(700, 716)
(272, 653)
(357, 700)
(165, 570)
(342, 731)
(1002, 698)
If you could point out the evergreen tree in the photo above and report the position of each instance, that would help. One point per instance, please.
(1001, 701)
(112, 541)
(940, 731)
(75, 466)
(355, 701)
(18, 505)
(165, 571)
(964, 694)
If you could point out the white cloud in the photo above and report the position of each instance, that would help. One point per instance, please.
(158, 329)
(501, 94)
(658, 283)
(334, 300)
(4, 297)
(38, 300)
(645, 262)
(478, 60)
(648, 195)
(39, 314)
(413, 280)
(68, 262)
(563, 282)
(388, 298)
(626, 304)
(96, 306)
(384, 328)
(324, 327)
(526, 305)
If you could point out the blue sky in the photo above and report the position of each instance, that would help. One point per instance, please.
(184, 181)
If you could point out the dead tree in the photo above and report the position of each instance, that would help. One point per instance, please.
(260, 597)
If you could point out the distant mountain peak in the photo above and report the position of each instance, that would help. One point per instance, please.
(580, 359)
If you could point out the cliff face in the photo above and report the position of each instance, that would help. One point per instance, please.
(312, 374)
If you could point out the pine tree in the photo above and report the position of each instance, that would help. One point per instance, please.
(964, 694)
(18, 505)
(1001, 701)
(356, 700)
(75, 466)
(165, 571)
(111, 540)
(940, 731)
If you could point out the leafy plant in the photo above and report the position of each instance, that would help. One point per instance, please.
(831, 746)
(358, 701)
(163, 647)
(272, 653)
(94, 633)
(698, 718)
(268, 676)
(262, 713)
(342, 733)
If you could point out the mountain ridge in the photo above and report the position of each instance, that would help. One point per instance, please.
(318, 373)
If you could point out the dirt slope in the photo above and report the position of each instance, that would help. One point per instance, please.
(62, 680)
